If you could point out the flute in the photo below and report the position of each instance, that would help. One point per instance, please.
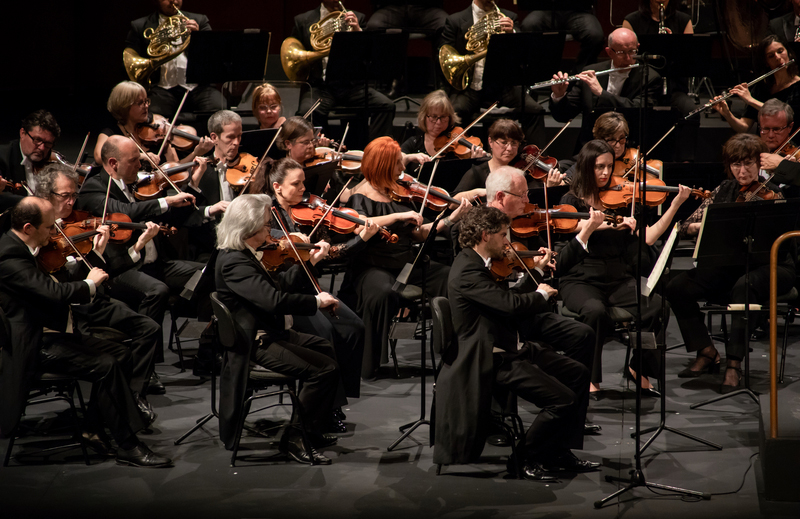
(547, 84)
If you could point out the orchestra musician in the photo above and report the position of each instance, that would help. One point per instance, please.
(741, 159)
(371, 275)
(262, 305)
(785, 27)
(298, 141)
(43, 340)
(20, 160)
(776, 124)
(469, 101)
(784, 85)
(486, 316)
(267, 107)
(59, 185)
(646, 19)
(607, 92)
(168, 89)
(613, 128)
(330, 93)
(604, 278)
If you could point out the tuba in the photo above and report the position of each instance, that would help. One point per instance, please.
(456, 68)
(160, 50)
(296, 60)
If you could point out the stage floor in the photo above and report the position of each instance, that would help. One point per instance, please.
(367, 481)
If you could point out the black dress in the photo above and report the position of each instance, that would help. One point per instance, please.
(372, 274)
(642, 24)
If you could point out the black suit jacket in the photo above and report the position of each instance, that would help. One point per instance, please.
(579, 98)
(302, 31)
(31, 300)
(136, 40)
(783, 26)
(11, 170)
(484, 316)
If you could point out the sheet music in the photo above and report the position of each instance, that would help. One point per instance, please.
(699, 237)
(661, 263)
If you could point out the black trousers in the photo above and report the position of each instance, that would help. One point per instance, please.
(582, 25)
(468, 103)
(104, 364)
(554, 383)
(726, 285)
(311, 360)
(202, 98)
(381, 108)
(346, 333)
(145, 335)
(592, 301)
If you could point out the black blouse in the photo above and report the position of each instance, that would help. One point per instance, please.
(377, 252)
(789, 95)
(642, 24)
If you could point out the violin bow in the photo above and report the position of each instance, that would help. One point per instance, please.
(547, 213)
(313, 107)
(428, 188)
(172, 124)
(80, 154)
(72, 244)
(780, 148)
(538, 279)
(541, 152)
(344, 136)
(330, 208)
(311, 277)
(653, 147)
(158, 168)
(105, 204)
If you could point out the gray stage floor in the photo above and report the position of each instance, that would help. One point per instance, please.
(367, 481)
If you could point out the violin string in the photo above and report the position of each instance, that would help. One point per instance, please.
(172, 125)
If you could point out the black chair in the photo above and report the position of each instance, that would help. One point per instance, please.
(62, 387)
(258, 379)
(504, 406)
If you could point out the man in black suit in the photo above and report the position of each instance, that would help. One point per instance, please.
(42, 338)
(786, 26)
(608, 92)
(486, 318)
(467, 103)
(262, 305)
(21, 159)
(339, 93)
(170, 81)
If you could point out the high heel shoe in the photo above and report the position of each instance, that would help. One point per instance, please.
(646, 391)
(727, 388)
(711, 367)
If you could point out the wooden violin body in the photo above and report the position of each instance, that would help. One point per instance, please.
(534, 163)
(239, 174)
(620, 192)
(343, 221)
(756, 191)
(155, 184)
(410, 189)
(563, 219)
(350, 161)
(182, 137)
(462, 147)
(624, 165)
(278, 253)
(511, 263)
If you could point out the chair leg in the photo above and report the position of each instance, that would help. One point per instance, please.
(76, 422)
(393, 347)
(240, 431)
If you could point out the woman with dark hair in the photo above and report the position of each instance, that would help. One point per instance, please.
(372, 274)
(646, 19)
(297, 139)
(784, 85)
(740, 156)
(603, 279)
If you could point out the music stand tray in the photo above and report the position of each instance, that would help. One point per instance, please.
(255, 142)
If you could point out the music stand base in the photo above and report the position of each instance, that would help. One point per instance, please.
(637, 480)
(201, 422)
(409, 428)
(664, 427)
(743, 391)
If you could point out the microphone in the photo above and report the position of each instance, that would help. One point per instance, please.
(648, 57)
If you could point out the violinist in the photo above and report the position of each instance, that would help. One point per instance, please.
(740, 156)
(776, 124)
(435, 117)
(267, 107)
(298, 141)
(603, 278)
(372, 274)
(784, 85)
(20, 160)
(505, 137)
(129, 105)
(262, 305)
(346, 331)
(59, 185)
(611, 127)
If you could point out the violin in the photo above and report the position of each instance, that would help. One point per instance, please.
(756, 191)
(512, 263)
(54, 255)
(182, 137)
(239, 175)
(343, 221)
(278, 253)
(153, 185)
(410, 189)
(16, 188)
(619, 192)
(120, 225)
(82, 170)
(534, 163)
(350, 161)
(624, 165)
(462, 147)
(563, 219)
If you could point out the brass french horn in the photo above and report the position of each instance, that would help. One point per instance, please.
(457, 68)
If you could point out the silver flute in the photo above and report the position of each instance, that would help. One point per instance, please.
(570, 79)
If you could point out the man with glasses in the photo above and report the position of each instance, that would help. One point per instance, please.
(775, 125)
(619, 89)
(20, 160)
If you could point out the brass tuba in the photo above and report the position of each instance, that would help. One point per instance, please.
(296, 60)
(160, 50)
(456, 68)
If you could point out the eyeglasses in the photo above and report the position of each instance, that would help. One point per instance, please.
(142, 103)
(507, 144)
(628, 53)
(39, 142)
(305, 142)
(270, 108)
(772, 130)
(746, 164)
(621, 140)
(435, 119)
(524, 195)
(65, 196)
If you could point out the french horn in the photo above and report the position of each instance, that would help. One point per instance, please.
(457, 68)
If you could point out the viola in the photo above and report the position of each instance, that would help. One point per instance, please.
(511, 262)
(563, 219)
(534, 163)
(624, 165)
(239, 174)
(120, 224)
(182, 137)
(343, 221)
(410, 189)
(619, 192)
(462, 147)
(756, 191)
(278, 253)
(153, 185)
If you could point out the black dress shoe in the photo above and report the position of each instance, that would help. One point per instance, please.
(155, 387)
(320, 441)
(299, 454)
(98, 444)
(142, 456)
(498, 440)
(339, 414)
(145, 410)
(336, 426)
(533, 471)
(591, 428)
(568, 462)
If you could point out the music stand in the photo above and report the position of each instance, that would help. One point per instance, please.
(222, 56)
(448, 173)
(317, 177)
(256, 142)
(739, 234)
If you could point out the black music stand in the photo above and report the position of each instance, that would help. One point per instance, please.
(256, 142)
(221, 56)
(738, 235)
(318, 177)
(448, 173)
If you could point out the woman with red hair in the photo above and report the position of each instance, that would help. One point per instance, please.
(372, 274)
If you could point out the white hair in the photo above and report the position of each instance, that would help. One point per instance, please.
(500, 180)
(242, 219)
